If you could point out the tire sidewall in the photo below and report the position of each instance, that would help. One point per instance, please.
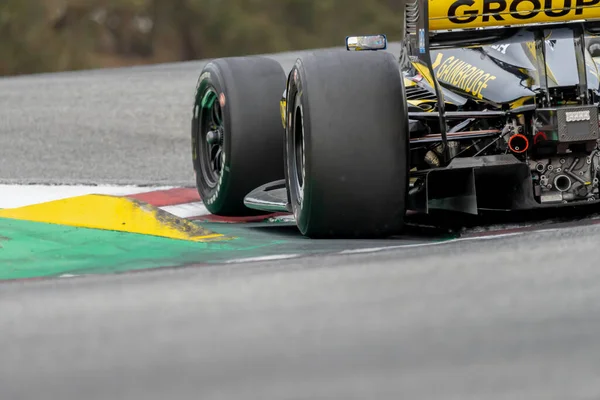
(297, 96)
(213, 198)
(344, 194)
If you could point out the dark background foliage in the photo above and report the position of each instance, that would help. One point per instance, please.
(58, 35)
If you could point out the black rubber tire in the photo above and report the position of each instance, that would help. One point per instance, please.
(356, 145)
(253, 142)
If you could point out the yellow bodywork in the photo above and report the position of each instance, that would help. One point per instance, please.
(282, 108)
(461, 14)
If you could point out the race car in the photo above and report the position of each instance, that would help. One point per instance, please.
(490, 105)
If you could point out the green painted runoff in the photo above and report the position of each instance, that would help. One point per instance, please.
(32, 249)
(40, 250)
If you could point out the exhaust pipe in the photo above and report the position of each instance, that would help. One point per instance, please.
(518, 143)
(562, 183)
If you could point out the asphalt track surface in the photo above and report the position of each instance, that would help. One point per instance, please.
(512, 317)
(118, 126)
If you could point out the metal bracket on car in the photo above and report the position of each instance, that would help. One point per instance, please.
(421, 51)
(271, 197)
(580, 50)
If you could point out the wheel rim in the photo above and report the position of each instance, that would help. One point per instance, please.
(212, 132)
(298, 153)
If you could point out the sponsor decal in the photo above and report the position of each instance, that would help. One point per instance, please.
(461, 11)
(202, 78)
(452, 14)
(576, 116)
(464, 76)
(501, 47)
(205, 75)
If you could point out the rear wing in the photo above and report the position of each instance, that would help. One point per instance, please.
(445, 15)
(431, 24)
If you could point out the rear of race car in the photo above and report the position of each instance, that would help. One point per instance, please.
(492, 104)
(524, 131)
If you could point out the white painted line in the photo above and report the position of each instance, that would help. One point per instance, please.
(187, 210)
(403, 246)
(493, 236)
(264, 258)
(13, 196)
(407, 246)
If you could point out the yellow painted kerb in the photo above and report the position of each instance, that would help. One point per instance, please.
(115, 214)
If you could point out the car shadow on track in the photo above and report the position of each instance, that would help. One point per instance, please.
(442, 225)
(289, 230)
(491, 221)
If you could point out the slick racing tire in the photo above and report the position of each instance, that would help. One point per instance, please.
(347, 145)
(237, 133)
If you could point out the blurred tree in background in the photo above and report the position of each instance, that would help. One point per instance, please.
(57, 35)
